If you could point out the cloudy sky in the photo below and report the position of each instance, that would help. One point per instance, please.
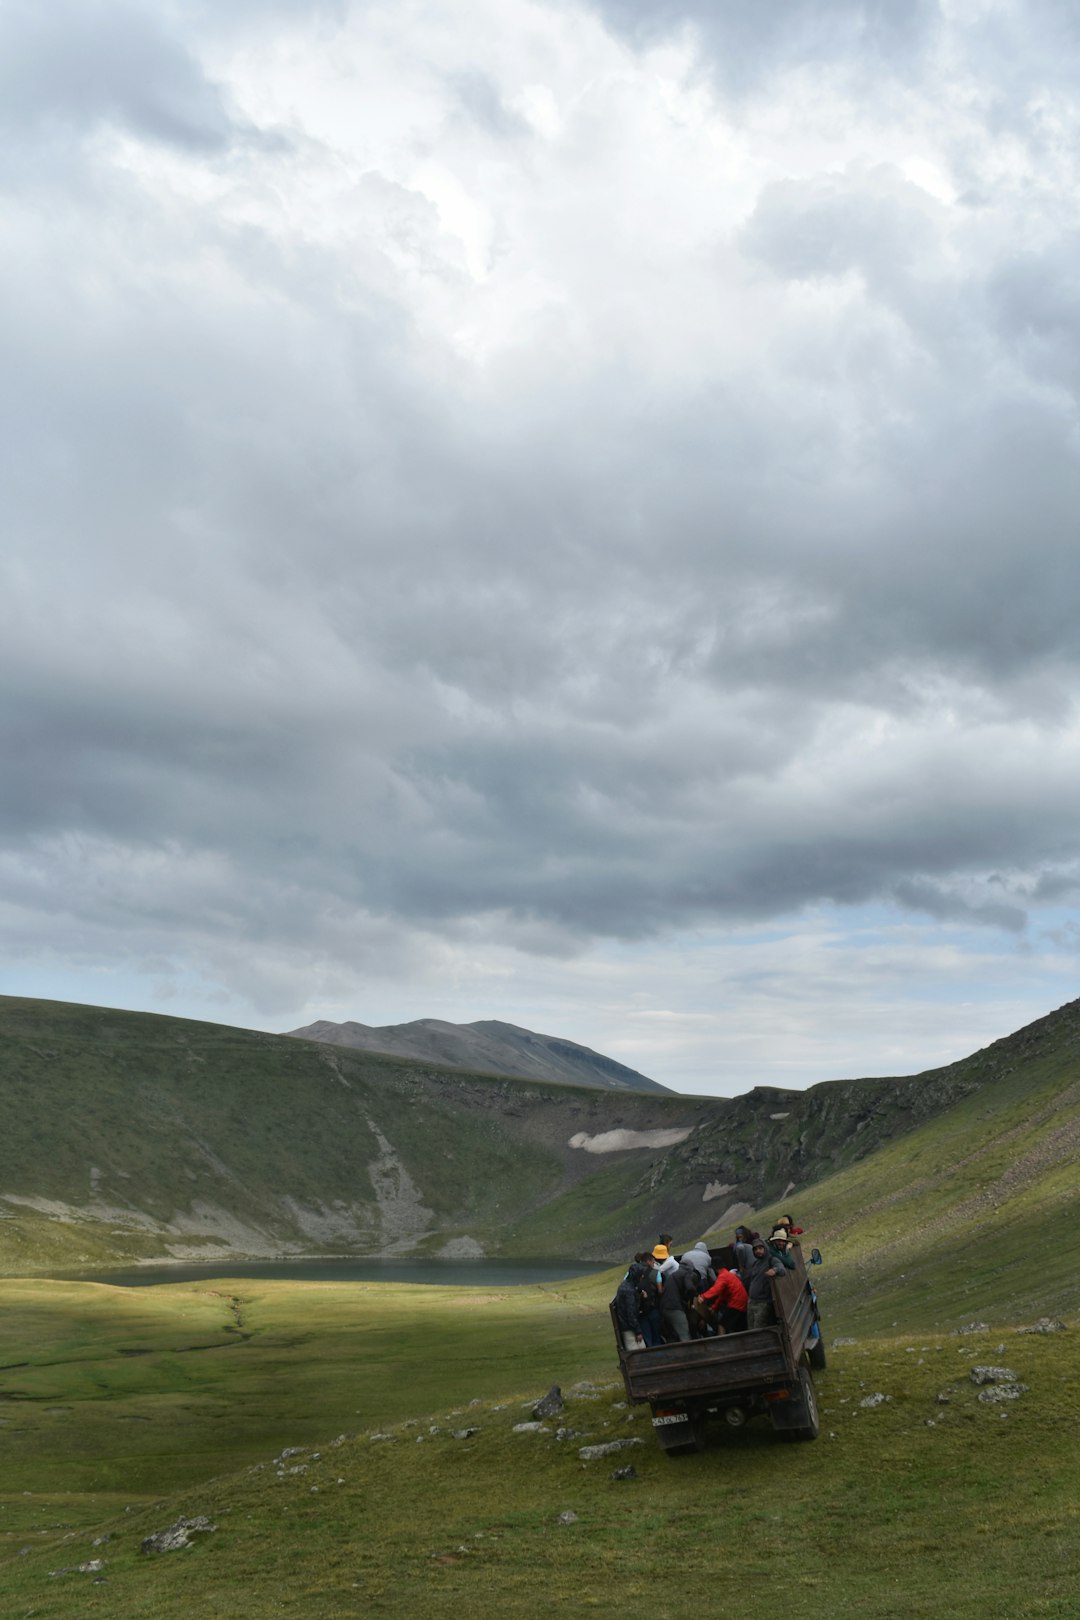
(558, 512)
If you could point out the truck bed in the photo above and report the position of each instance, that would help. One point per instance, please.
(753, 1360)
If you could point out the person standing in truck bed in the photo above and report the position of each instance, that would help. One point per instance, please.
(759, 1304)
(726, 1301)
(628, 1308)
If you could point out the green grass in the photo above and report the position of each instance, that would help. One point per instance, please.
(911, 1509)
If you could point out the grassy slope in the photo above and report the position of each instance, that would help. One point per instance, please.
(970, 1213)
(157, 1116)
(913, 1509)
(162, 1132)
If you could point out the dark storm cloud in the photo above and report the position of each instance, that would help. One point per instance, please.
(316, 627)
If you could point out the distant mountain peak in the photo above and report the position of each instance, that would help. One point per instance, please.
(487, 1046)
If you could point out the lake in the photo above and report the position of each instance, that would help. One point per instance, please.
(446, 1273)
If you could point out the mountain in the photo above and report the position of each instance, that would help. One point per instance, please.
(486, 1047)
(129, 1135)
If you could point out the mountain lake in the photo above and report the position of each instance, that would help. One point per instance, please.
(446, 1273)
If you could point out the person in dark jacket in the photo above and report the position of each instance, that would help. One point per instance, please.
(672, 1305)
(759, 1303)
(628, 1308)
(652, 1321)
(744, 1249)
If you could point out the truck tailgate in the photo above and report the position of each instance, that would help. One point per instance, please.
(706, 1366)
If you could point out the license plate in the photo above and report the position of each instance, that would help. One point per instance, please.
(675, 1417)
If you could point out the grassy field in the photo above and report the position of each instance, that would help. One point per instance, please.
(915, 1508)
(122, 1409)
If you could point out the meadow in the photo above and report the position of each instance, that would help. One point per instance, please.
(132, 1407)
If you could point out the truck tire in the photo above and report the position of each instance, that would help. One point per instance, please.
(810, 1425)
(815, 1353)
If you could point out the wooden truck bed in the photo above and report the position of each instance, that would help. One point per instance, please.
(757, 1370)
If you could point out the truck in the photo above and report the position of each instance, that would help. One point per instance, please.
(736, 1376)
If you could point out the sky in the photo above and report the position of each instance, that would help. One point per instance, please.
(560, 512)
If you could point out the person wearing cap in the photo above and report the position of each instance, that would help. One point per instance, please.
(780, 1247)
(676, 1325)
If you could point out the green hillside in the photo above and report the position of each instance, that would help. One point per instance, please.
(121, 1410)
(971, 1213)
(129, 1136)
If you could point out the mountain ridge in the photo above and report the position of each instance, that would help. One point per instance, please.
(486, 1046)
(135, 1136)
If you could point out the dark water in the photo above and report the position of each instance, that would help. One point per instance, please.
(447, 1273)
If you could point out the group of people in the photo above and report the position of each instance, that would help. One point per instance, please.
(665, 1299)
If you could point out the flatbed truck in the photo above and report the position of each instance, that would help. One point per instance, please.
(735, 1376)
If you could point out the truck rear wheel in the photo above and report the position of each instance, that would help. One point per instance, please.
(808, 1426)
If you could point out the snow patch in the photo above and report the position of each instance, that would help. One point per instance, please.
(781, 1116)
(733, 1213)
(715, 1189)
(622, 1141)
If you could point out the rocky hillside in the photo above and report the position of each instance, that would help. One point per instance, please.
(486, 1047)
(129, 1135)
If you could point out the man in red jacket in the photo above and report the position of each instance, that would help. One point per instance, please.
(725, 1303)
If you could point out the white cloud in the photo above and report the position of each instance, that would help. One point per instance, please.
(492, 482)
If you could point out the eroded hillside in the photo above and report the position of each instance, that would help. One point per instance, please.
(129, 1135)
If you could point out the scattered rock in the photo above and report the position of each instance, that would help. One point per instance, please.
(1045, 1324)
(569, 1434)
(608, 1449)
(382, 1437)
(1003, 1392)
(840, 1344)
(531, 1428)
(99, 1541)
(550, 1405)
(290, 1451)
(629, 1472)
(463, 1434)
(991, 1375)
(974, 1327)
(342, 1438)
(943, 1399)
(875, 1400)
(178, 1534)
(90, 1568)
(569, 1517)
